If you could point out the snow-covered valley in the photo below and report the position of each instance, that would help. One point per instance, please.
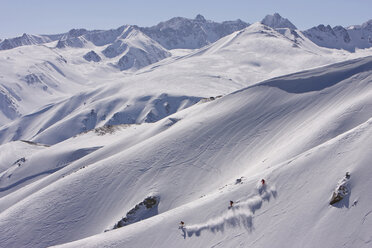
(87, 146)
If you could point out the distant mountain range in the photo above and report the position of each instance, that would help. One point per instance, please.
(55, 66)
(180, 32)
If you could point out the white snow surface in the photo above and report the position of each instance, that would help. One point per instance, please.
(300, 132)
(75, 95)
(82, 142)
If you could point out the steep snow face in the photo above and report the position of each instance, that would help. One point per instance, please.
(342, 38)
(301, 141)
(276, 21)
(195, 33)
(27, 39)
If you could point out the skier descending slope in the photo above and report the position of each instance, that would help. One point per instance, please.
(231, 205)
(183, 228)
(261, 186)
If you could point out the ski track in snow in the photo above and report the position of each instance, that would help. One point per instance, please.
(240, 215)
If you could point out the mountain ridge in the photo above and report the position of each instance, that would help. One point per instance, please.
(180, 32)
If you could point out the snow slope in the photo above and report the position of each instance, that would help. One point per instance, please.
(235, 61)
(301, 132)
(31, 71)
(57, 74)
(56, 67)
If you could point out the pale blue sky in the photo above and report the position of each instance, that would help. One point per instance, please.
(58, 16)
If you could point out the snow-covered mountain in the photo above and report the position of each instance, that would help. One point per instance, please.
(350, 38)
(238, 60)
(187, 33)
(301, 132)
(33, 76)
(276, 21)
(27, 39)
(133, 49)
(109, 138)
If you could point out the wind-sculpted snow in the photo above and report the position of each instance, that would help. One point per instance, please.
(240, 215)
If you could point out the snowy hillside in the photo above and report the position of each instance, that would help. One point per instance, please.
(301, 132)
(55, 74)
(141, 137)
(106, 97)
(33, 76)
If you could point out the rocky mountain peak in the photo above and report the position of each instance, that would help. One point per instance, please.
(200, 18)
(277, 21)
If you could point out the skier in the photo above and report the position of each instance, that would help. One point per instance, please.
(263, 181)
(231, 204)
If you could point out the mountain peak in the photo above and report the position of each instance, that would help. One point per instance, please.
(200, 18)
(367, 25)
(277, 21)
(77, 32)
